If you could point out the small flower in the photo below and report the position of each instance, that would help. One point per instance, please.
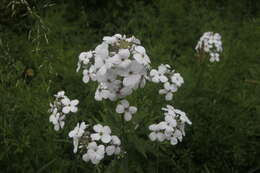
(60, 94)
(168, 90)
(132, 75)
(76, 134)
(84, 58)
(177, 79)
(156, 134)
(158, 75)
(89, 74)
(210, 43)
(57, 120)
(102, 133)
(95, 153)
(140, 55)
(124, 108)
(69, 105)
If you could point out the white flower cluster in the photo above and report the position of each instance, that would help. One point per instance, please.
(124, 108)
(171, 80)
(118, 64)
(210, 43)
(60, 108)
(172, 128)
(94, 145)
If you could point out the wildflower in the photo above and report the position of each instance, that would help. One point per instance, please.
(95, 153)
(57, 120)
(168, 90)
(121, 58)
(102, 133)
(69, 105)
(210, 43)
(61, 106)
(172, 129)
(177, 79)
(89, 74)
(159, 75)
(76, 134)
(124, 108)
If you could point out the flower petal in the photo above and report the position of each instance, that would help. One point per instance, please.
(66, 109)
(106, 138)
(120, 109)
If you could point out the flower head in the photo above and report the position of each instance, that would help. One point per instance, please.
(124, 108)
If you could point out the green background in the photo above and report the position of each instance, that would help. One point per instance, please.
(39, 46)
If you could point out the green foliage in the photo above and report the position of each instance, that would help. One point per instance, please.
(38, 55)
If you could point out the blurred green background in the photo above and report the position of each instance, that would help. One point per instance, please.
(40, 41)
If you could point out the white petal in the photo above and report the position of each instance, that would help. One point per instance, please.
(66, 109)
(106, 138)
(153, 72)
(168, 96)
(110, 150)
(131, 80)
(56, 127)
(138, 57)
(140, 49)
(152, 136)
(132, 109)
(85, 157)
(153, 127)
(163, 79)
(127, 116)
(62, 123)
(75, 144)
(161, 137)
(98, 128)
(163, 91)
(174, 141)
(125, 103)
(73, 109)
(85, 79)
(65, 101)
(118, 150)
(124, 53)
(116, 140)
(106, 130)
(95, 136)
(120, 109)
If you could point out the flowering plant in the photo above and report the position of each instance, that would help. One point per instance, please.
(120, 65)
(210, 43)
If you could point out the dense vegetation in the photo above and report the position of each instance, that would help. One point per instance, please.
(39, 45)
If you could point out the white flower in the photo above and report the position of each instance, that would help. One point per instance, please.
(102, 133)
(158, 75)
(84, 58)
(57, 120)
(61, 106)
(140, 56)
(60, 94)
(132, 75)
(172, 129)
(118, 64)
(177, 79)
(69, 105)
(110, 40)
(156, 134)
(103, 93)
(210, 43)
(76, 134)
(168, 90)
(89, 74)
(95, 153)
(121, 59)
(124, 108)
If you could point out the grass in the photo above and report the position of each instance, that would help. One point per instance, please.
(221, 99)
